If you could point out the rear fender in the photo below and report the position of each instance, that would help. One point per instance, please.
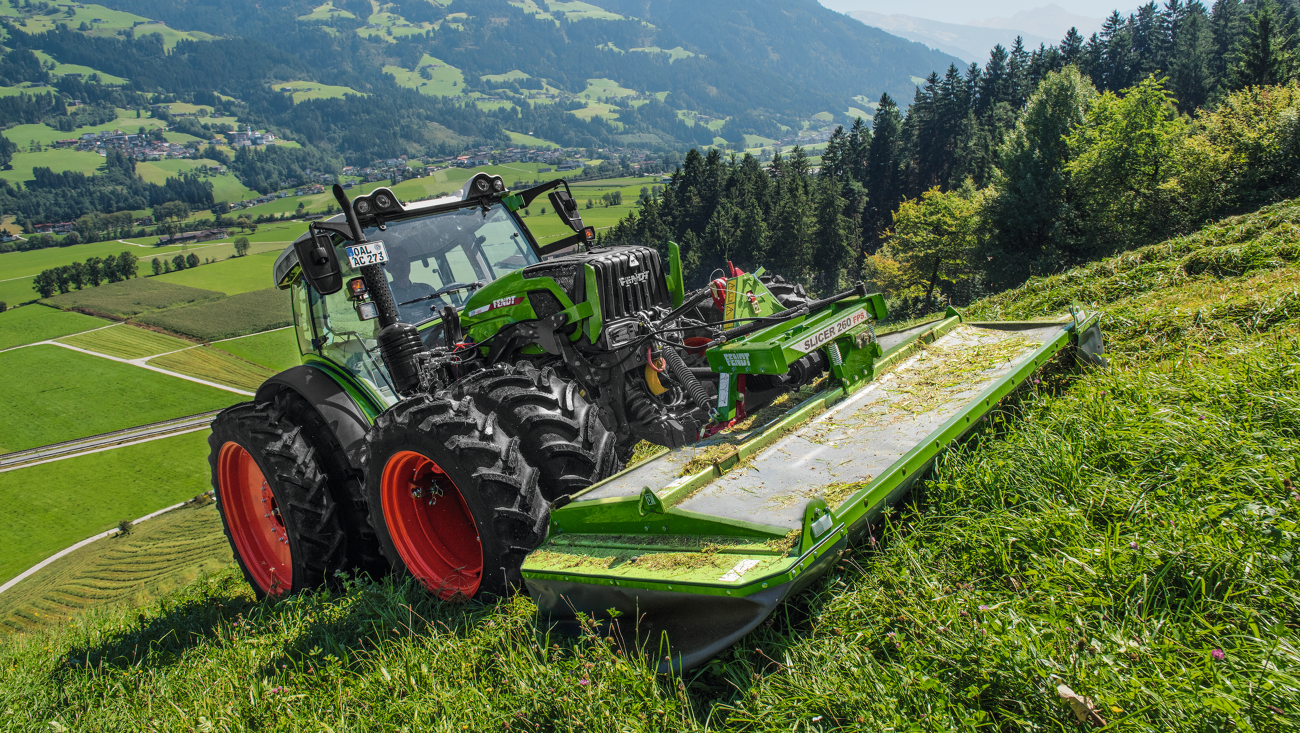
(335, 406)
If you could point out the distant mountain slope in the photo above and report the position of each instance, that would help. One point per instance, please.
(1051, 21)
(967, 42)
(798, 40)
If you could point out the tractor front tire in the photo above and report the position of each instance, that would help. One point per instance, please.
(560, 432)
(273, 496)
(451, 497)
(789, 295)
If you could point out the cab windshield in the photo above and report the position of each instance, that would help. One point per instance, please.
(462, 247)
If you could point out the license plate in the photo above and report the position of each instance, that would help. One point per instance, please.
(370, 253)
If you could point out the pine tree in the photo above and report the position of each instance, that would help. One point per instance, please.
(883, 184)
(1264, 53)
(1190, 75)
(1072, 47)
(1226, 21)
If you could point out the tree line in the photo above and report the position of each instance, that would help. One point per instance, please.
(91, 273)
(1030, 165)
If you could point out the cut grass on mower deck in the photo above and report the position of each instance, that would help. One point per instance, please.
(33, 323)
(56, 394)
(83, 496)
(1126, 532)
(152, 560)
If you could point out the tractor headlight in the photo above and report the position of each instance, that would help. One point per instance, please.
(362, 206)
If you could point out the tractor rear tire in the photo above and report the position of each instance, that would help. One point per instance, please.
(345, 482)
(560, 432)
(451, 497)
(273, 496)
(788, 294)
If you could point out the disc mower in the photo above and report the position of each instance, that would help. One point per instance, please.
(469, 398)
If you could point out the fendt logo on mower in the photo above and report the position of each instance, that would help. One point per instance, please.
(637, 279)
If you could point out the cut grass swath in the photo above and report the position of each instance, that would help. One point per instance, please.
(126, 342)
(215, 365)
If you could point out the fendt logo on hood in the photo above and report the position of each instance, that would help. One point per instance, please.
(637, 279)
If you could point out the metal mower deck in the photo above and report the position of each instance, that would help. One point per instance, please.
(703, 542)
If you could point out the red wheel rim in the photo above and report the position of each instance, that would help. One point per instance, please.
(254, 520)
(431, 526)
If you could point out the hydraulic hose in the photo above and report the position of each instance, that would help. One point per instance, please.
(685, 376)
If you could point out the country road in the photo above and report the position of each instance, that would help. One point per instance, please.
(105, 441)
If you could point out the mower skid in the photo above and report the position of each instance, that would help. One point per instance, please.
(700, 544)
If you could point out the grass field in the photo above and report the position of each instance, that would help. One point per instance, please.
(155, 558)
(276, 350)
(225, 187)
(132, 297)
(33, 323)
(58, 161)
(83, 496)
(251, 312)
(1128, 531)
(444, 80)
(60, 69)
(126, 342)
(22, 135)
(305, 90)
(326, 12)
(215, 365)
(77, 395)
(230, 276)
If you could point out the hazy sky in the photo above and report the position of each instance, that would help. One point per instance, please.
(961, 11)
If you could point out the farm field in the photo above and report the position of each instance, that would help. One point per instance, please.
(276, 350)
(215, 365)
(23, 135)
(251, 312)
(78, 395)
(154, 559)
(56, 160)
(230, 276)
(444, 81)
(305, 90)
(88, 494)
(1142, 499)
(126, 342)
(132, 297)
(33, 323)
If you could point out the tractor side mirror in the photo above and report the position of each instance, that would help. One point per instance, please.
(320, 263)
(567, 208)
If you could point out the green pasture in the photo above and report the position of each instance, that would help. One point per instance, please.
(237, 315)
(674, 54)
(61, 69)
(578, 10)
(33, 323)
(154, 559)
(59, 161)
(113, 21)
(305, 90)
(24, 88)
(444, 81)
(519, 138)
(73, 395)
(215, 365)
(600, 89)
(126, 342)
(326, 12)
(50, 506)
(276, 350)
(230, 276)
(132, 297)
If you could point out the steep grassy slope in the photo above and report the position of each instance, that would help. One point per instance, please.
(1130, 532)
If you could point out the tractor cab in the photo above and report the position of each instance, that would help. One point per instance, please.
(435, 254)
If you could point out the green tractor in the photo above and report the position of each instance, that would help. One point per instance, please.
(469, 397)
